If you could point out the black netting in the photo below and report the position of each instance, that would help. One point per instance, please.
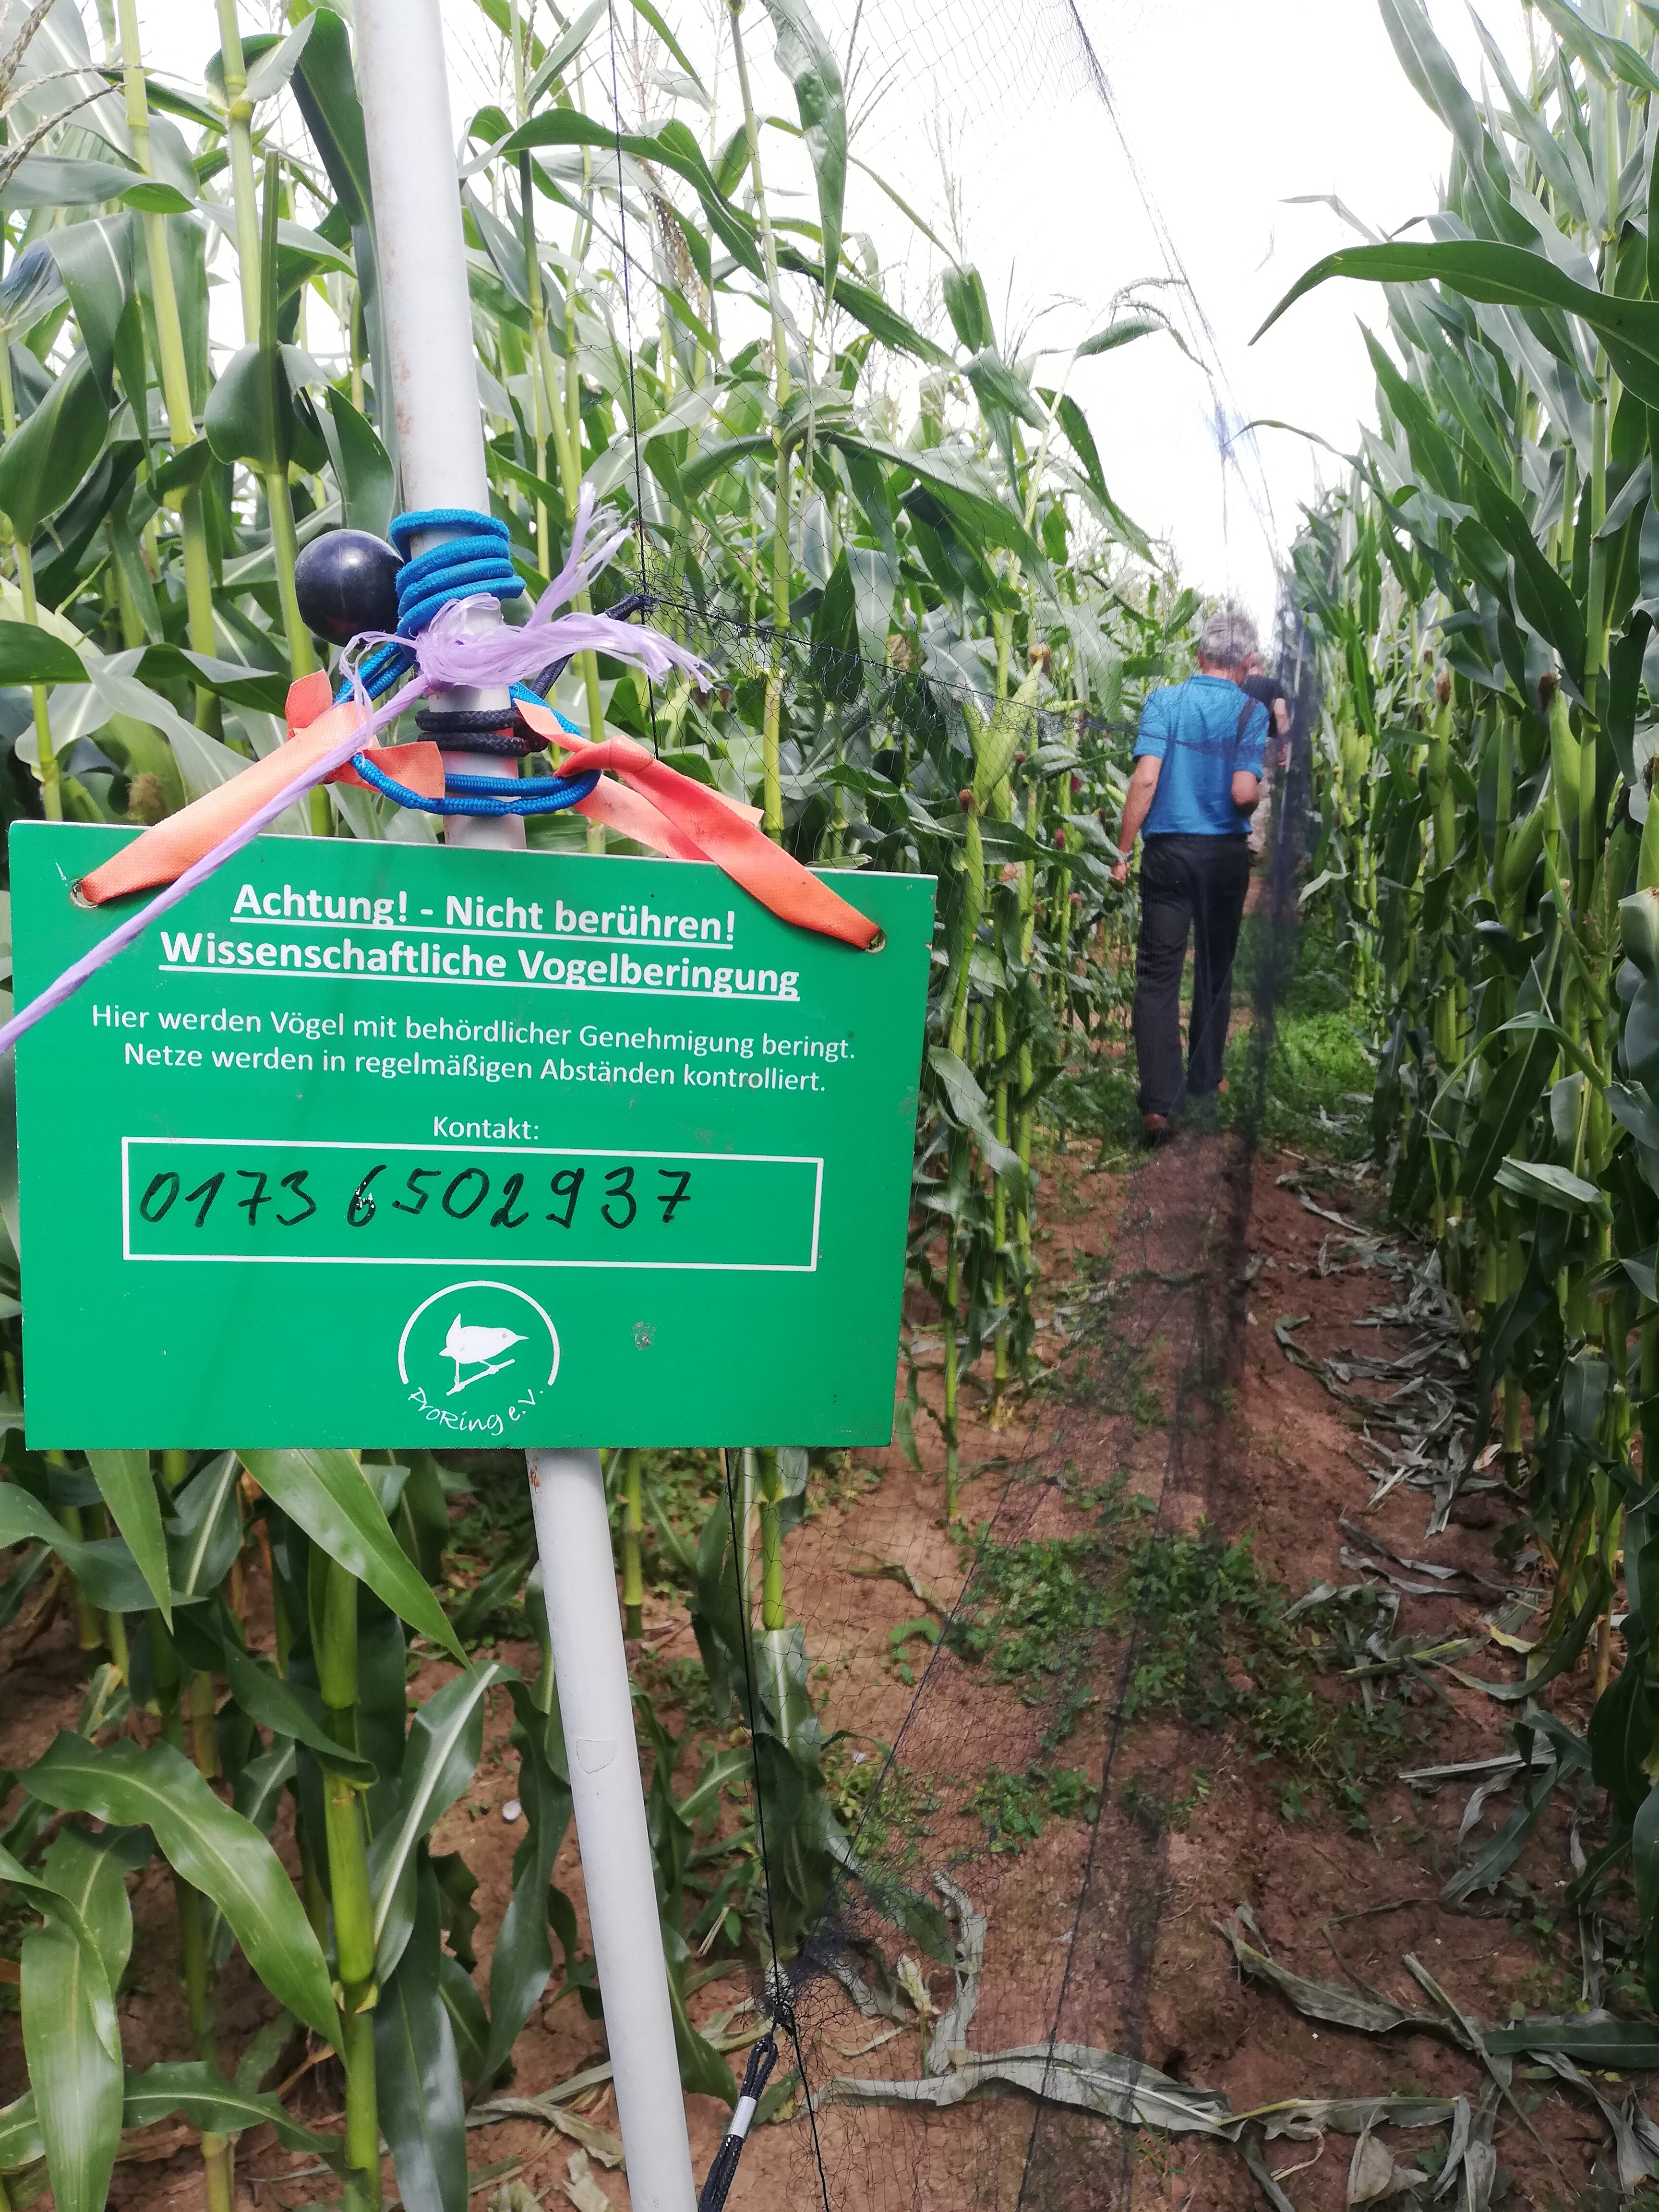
(968, 1999)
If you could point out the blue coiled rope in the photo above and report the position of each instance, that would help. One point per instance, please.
(482, 794)
(474, 559)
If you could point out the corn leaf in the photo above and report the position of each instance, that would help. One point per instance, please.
(417, 2076)
(1512, 276)
(327, 1494)
(522, 1962)
(20, 2141)
(221, 2107)
(72, 2045)
(91, 1872)
(127, 1487)
(214, 1848)
(444, 1744)
(105, 1569)
(44, 460)
(205, 1532)
(326, 92)
(94, 263)
(805, 58)
(287, 1709)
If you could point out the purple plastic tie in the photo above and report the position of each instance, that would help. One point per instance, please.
(451, 660)
(446, 660)
(133, 928)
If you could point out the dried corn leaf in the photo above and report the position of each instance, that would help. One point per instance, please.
(1634, 2151)
(1060, 2073)
(1478, 1798)
(1348, 2116)
(1431, 1777)
(911, 1982)
(1327, 2001)
(1457, 2148)
(1372, 2173)
(598, 2142)
(603, 2145)
(1365, 1565)
(584, 2192)
(1249, 2149)
(885, 2001)
(1322, 1594)
(950, 2030)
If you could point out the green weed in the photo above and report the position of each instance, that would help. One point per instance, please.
(1036, 1608)
(1099, 1099)
(879, 1802)
(1014, 1807)
(1213, 1649)
(924, 1630)
(1317, 1070)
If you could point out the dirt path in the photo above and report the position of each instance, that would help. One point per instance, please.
(1104, 1933)
(1173, 1749)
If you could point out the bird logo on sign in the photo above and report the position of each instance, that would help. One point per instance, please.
(476, 1347)
(478, 1331)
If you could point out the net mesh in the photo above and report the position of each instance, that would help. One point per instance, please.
(959, 1915)
(961, 1927)
(1000, 1792)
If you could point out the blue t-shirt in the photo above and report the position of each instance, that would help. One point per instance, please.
(1204, 731)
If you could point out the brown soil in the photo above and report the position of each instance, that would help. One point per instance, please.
(1103, 1933)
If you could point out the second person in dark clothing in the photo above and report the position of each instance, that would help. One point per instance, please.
(1195, 782)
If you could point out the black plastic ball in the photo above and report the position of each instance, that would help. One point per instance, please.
(346, 582)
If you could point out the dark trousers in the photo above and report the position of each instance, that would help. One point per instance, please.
(1188, 886)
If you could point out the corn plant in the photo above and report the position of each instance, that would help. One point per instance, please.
(928, 645)
(1483, 591)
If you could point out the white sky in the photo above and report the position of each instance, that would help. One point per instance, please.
(1228, 113)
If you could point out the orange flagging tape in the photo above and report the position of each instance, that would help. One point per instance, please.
(650, 803)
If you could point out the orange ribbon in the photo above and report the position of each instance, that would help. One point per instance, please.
(650, 803)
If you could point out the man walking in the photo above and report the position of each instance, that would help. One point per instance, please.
(1196, 779)
(1271, 692)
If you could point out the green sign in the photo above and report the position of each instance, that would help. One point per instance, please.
(392, 1145)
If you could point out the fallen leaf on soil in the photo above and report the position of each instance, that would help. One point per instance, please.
(863, 2050)
(606, 2147)
(1636, 2139)
(1508, 1643)
(950, 2032)
(1125, 2089)
(1328, 1999)
(915, 1989)
(1062, 2073)
(584, 2192)
(1599, 2038)
(1373, 2172)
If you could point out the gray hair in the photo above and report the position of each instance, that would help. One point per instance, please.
(1228, 638)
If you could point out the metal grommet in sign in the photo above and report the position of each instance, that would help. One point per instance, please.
(78, 897)
(877, 942)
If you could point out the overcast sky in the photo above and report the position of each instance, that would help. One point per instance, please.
(985, 114)
(1229, 113)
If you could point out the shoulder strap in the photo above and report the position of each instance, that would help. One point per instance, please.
(1245, 713)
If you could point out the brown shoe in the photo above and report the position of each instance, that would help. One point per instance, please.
(1154, 1129)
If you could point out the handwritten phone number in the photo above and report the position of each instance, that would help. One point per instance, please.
(626, 1191)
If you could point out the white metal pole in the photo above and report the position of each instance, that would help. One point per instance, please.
(429, 328)
(426, 311)
(573, 1535)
